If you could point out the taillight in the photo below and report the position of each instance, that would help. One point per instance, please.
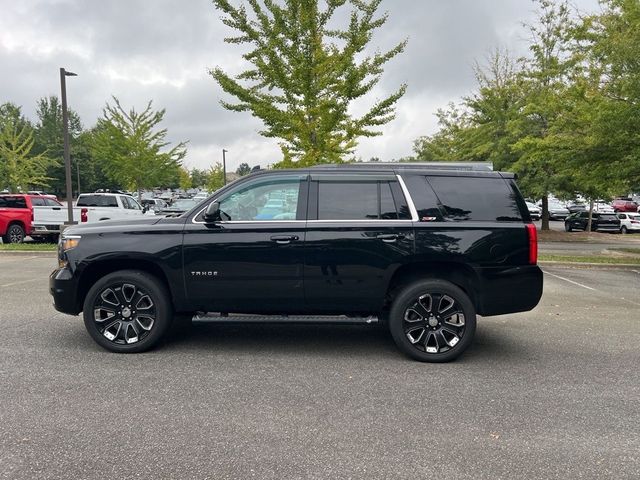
(83, 215)
(533, 243)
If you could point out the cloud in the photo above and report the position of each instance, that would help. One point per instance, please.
(161, 50)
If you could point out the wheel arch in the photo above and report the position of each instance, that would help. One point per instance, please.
(99, 269)
(463, 276)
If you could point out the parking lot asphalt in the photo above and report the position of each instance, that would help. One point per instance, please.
(552, 393)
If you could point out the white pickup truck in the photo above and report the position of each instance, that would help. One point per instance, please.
(90, 207)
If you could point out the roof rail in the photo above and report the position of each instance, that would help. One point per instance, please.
(465, 166)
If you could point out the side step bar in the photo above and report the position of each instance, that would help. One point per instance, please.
(202, 317)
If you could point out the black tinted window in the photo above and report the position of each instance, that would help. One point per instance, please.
(476, 198)
(607, 216)
(49, 202)
(424, 199)
(37, 202)
(387, 206)
(13, 202)
(347, 200)
(97, 201)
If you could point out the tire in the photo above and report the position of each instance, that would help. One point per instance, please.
(112, 309)
(15, 234)
(418, 324)
(624, 230)
(567, 227)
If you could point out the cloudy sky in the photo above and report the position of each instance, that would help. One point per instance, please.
(160, 50)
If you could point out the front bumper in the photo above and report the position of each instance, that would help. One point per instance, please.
(64, 289)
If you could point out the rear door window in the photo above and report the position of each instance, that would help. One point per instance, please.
(360, 200)
(476, 198)
(37, 202)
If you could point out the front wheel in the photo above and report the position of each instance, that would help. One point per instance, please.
(127, 311)
(567, 227)
(624, 230)
(432, 321)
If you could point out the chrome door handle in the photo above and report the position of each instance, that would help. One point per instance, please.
(390, 237)
(284, 239)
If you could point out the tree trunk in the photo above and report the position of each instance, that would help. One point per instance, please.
(545, 213)
(590, 215)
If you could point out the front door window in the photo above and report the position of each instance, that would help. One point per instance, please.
(275, 199)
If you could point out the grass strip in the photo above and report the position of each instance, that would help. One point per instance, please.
(588, 259)
(28, 247)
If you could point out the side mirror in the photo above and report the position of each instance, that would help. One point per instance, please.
(212, 214)
(145, 208)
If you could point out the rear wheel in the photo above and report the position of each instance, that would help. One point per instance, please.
(432, 321)
(15, 234)
(127, 311)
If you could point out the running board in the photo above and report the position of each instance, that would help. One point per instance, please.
(250, 318)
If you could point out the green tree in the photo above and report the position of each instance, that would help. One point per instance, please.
(305, 74)
(134, 151)
(199, 178)
(215, 179)
(186, 181)
(243, 169)
(19, 168)
(610, 42)
(48, 136)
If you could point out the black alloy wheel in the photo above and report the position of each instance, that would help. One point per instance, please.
(567, 227)
(432, 321)
(15, 234)
(127, 311)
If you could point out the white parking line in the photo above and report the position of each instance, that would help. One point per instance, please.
(570, 281)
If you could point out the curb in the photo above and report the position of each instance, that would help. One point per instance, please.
(594, 266)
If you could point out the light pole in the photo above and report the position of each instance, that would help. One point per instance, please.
(65, 133)
(224, 166)
(78, 173)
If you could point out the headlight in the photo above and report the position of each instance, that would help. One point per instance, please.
(66, 243)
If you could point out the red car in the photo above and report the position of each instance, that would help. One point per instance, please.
(16, 215)
(624, 205)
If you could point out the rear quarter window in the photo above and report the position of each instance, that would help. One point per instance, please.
(13, 202)
(477, 198)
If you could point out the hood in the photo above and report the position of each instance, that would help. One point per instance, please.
(139, 223)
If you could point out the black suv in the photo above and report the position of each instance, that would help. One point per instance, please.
(424, 249)
(600, 222)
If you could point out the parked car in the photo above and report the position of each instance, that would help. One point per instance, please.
(534, 211)
(629, 222)
(601, 222)
(178, 207)
(557, 210)
(154, 204)
(602, 207)
(90, 208)
(576, 207)
(16, 214)
(624, 205)
(376, 240)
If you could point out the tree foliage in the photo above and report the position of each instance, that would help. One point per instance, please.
(305, 74)
(48, 137)
(215, 178)
(134, 150)
(243, 169)
(19, 168)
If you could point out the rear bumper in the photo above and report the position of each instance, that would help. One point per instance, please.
(509, 289)
(64, 289)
